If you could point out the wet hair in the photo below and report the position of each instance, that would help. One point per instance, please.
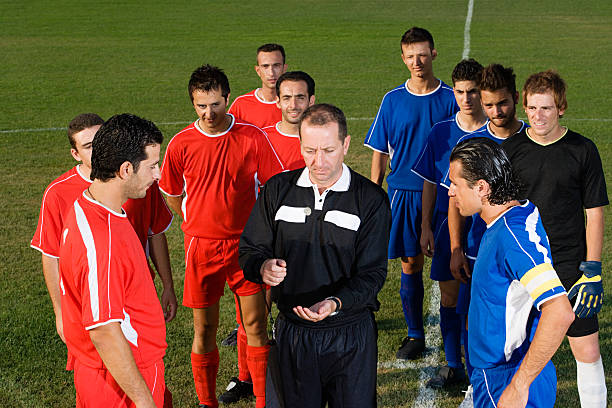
(208, 78)
(80, 123)
(323, 113)
(417, 35)
(122, 138)
(543, 82)
(271, 47)
(483, 159)
(495, 77)
(296, 76)
(467, 70)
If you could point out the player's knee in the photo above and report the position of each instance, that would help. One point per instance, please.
(412, 264)
(585, 349)
(448, 299)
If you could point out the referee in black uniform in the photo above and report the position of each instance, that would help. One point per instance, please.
(319, 237)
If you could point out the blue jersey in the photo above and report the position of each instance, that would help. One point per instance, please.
(401, 126)
(474, 226)
(432, 164)
(509, 285)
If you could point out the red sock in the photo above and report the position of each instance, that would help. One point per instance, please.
(257, 359)
(205, 367)
(243, 368)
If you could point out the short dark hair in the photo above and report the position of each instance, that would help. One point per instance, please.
(122, 138)
(467, 70)
(495, 77)
(417, 35)
(323, 113)
(207, 78)
(483, 159)
(270, 47)
(296, 76)
(82, 122)
(546, 81)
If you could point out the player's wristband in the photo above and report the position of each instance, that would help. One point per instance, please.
(337, 302)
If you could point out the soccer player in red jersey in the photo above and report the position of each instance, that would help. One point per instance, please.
(149, 217)
(259, 106)
(296, 92)
(112, 320)
(211, 173)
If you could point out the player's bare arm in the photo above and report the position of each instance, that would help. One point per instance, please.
(458, 261)
(176, 202)
(158, 246)
(50, 268)
(379, 167)
(273, 271)
(428, 203)
(117, 355)
(557, 315)
(594, 233)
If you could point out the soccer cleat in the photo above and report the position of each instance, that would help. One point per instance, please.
(468, 400)
(447, 376)
(231, 339)
(235, 391)
(588, 291)
(411, 348)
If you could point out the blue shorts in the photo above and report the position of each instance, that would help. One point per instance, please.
(490, 383)
(440, 264)
(405, 235)
(463, 301)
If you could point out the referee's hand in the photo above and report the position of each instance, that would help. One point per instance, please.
(273, 271)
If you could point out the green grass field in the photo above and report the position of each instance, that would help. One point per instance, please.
(62, 58)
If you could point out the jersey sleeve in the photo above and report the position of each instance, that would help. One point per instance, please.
(171, 181)
(161, 216)
(425, 164)
(268, 160)
(378, 136)
(46, 239)
(527, 259)
(594, 193)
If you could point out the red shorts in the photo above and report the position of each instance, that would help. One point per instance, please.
(209, 263)
(97, 388)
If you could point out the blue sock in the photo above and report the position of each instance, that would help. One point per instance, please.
(464, 336)
(450, 326)
(411, 293)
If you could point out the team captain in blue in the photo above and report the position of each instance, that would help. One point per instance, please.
(519, 311)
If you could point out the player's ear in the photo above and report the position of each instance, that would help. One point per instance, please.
(278, 101)
(125, 170)
(75, 154)
(516, 97)
(434, 54)
(311, 101)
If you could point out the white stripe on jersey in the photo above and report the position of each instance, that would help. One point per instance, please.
(92, 263)
(530, 226)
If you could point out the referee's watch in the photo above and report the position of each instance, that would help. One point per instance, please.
(337, 302)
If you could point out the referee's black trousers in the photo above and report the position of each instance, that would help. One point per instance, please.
(333, 365)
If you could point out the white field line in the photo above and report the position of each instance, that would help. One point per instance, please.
(429, 363)
(466, 30)
(52, 129)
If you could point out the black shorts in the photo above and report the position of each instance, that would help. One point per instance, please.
(333, 365)
(580, 327)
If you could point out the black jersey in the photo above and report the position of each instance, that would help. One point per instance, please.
(335, 243)
(562, 179)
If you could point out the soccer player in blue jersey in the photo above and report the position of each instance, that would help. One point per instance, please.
(399, 133)
(432, 166)
(519, 310)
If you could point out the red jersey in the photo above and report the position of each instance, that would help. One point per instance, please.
(104, 278)
(219, 176)
(252, 109)
(148, 215)
(287, 146)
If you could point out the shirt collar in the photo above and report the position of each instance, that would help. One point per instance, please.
(342, 184)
